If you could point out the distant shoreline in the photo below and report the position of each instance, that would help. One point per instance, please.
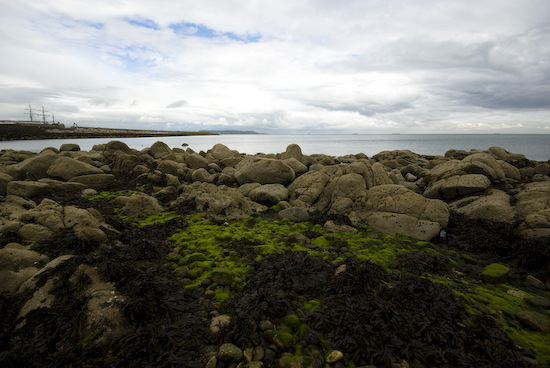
(10, 132)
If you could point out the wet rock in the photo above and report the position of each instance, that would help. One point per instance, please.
(269, 194)
(495, 273)
(141, 204)
(229, 353)
(27, 189)
(295, 214)
(534, 320)
(298, 167)
(263, 171)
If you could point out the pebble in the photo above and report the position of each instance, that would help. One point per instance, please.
(258, 353)
(265, 325)
(230, 353)
(334, 356)
(533, 281)
(539, 302)
(248, 354)
(517, 293)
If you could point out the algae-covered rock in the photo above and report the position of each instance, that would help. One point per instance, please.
(292, 321)
(283, 339)
(495, 273)
(222, 276)
(334, 356)
(230, 353)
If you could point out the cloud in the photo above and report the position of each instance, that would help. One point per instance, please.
(286, 66)
(176, 104)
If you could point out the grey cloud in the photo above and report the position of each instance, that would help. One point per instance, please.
(366, 108)
(176, 104)
(98, 101)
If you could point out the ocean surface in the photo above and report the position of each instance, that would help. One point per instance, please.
(533, 146)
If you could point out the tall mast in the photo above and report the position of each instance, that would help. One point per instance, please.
(30, 111)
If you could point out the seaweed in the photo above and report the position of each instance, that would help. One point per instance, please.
(423, 262)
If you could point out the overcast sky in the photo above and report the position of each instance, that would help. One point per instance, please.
(284, 66)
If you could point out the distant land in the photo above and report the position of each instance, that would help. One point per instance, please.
(10, 130)
(231, 132)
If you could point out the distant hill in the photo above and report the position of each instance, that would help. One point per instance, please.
(230, 132)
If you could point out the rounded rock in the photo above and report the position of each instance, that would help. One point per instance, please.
(230, 353)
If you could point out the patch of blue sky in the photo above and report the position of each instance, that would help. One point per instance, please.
(146, 23)
(134, 58)
(199, 30)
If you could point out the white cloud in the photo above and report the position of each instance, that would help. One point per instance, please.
(353, 65)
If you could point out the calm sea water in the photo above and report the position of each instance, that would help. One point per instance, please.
(534, 147)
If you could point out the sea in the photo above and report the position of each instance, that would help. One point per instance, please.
(533, 146)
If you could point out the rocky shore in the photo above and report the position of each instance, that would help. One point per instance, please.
(169, 257)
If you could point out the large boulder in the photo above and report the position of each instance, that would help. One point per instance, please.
(306, 189)
(372, 174)
(122, 162)
(269, 194)
(84, 224)
(48, 213)
(67, 168)
(215, 200)
(221, 152)
(494, 205)
(196, 161)
(159, 150)
(33, 167)
(477, 163)
(393, 208)
(294, 151)
(27, 189)
(263, 171)
(141, 204)
(458, 186)
(14, 257)
(298, 167)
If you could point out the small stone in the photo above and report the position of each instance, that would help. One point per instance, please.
(248, 354)
(340, 269)
(534, 320)
(529, 362)
(218, 322)
(265, 325)
(212, 362)
(284, 357)
(301, 362)
(334, 356)
(517, 294)
(230, 353)
(258, 353)
(209, 294)
(495, 273)
(533, 281)
(539, 302)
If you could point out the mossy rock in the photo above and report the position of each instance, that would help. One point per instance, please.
(283, 339)
(495, 273)
(194, 257)
(300, 362)
(292, 321)
(222, 276)
(469, 259)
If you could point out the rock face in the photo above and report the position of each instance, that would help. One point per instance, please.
(27, 189)
(263, 171)
(306, 189)
(393, 208)
(35, 167)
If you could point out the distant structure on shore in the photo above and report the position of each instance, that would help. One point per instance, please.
(230, 132)
(32, 119)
